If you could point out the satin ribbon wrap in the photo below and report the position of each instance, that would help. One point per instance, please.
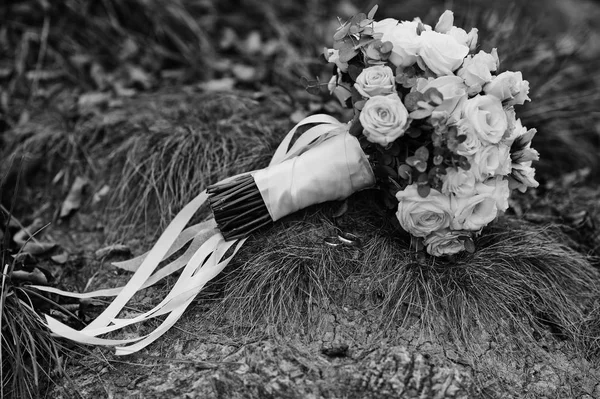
(333, 170)
(325, 163)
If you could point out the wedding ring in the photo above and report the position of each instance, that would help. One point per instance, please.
(349, 239)
(332, 241)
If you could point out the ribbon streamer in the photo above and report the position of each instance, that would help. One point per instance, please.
(324, 163)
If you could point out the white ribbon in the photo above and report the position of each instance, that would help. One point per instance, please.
(325, 163)
(332, 170)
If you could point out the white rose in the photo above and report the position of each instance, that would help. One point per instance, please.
(485, 162)
(513, 125)
(384, 119)
(497, 188)
(453, 90)
(472, 144)
(510, 87)
(472, 38)
(442, 53)
(459, 182)
(522, 176)
(486, 115)
(477, 70)
(422, 216)
(376, 80)
(474, 212)
(445, 22)
(404, 38)
(333, 56)
(504, 160)
(444, 242)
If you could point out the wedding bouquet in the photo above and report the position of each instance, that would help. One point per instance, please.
(437, 122)
(434, 129)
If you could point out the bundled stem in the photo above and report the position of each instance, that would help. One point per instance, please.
(238, 207)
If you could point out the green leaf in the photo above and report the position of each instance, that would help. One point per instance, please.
(354, 71)
(469, 245)
(315, 90)
(346, 54)
(341, 32)
(394, 150)
(359, 105)
(341, 210)
(433, 96)
(371, 13)
(387, 159)
(420, 114)
(386, 47)
(356, 128)
(413, 132)
(422, 153)
(421, 166)
(411, 100)
(390, 172)
(423, 190)
(404, 171)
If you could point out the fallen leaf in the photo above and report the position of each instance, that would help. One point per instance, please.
(341, 210)
(225, 84)
(73, 201)
(37, 247)
(245, 73)
(61, 258)
(22, 236)
(111, 250)
(140, 77)
(36, 276)
(100, 194)
(93, 99)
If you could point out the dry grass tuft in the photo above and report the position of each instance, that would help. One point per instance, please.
(522, 278)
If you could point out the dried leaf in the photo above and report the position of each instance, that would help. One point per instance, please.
(23, 235)
(73, 201)
(37, 247)
(100, 194)
(93, 99)
(469, 245)
(35, 277)
(61, 258)
(341, 210)
(244, 73)
(216, 85)
(112, 250)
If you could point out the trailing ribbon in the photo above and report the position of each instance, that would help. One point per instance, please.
(325, 163)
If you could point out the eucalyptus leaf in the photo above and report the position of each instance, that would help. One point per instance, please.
(371, 13)
(404, 171)
(423, 190)
(420, 114)
(412, 99)
(346, 54)
(469, 245)
(390, 172)
(341, 32)
(354, 71)
(422, 153)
